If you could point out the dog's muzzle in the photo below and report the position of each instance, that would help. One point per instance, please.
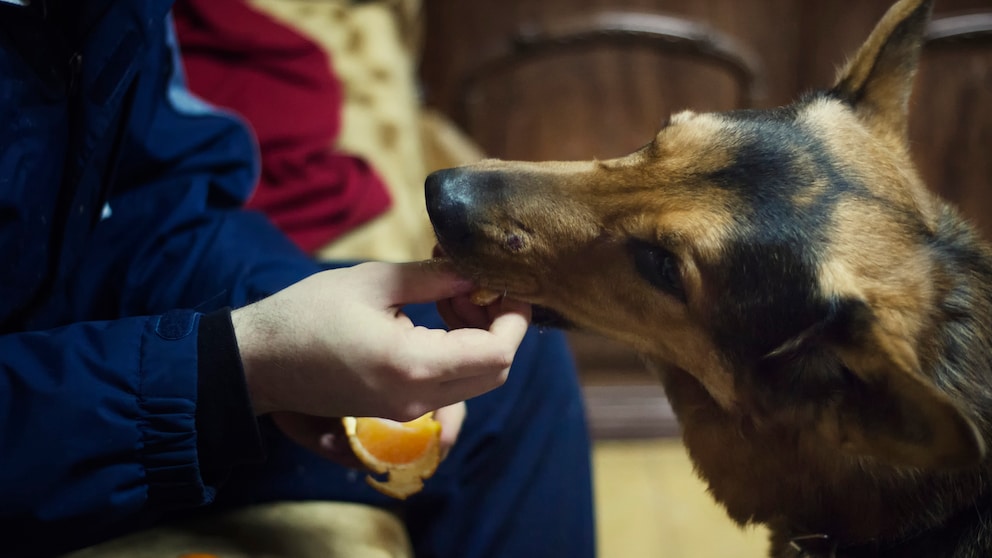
(459, 202)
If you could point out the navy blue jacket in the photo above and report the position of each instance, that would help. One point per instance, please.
(120, 226)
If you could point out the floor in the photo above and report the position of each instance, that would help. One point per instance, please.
(650, 504)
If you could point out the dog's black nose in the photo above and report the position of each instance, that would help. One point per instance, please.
(459, 200)
(449, 205)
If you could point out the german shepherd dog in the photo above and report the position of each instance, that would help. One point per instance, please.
(821, 323)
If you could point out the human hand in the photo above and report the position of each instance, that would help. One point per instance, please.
(461, 310)
(337, 344)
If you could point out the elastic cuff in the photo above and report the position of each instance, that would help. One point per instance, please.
(227, 430)
(167, 396)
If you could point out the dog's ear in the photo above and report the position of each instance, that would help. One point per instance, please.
(890, 410)
(878, 81)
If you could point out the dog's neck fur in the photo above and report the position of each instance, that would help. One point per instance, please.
(818, 501)
(967, 534)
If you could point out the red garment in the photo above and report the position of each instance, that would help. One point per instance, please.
(282, 83)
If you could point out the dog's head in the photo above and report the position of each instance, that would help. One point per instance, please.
(769, 254)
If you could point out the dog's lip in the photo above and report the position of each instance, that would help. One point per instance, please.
(526, 288)
(515, 290)
(543, 316)
(527, 291)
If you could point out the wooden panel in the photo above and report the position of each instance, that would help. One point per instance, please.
(623, 399)
(951, 127)
(590, 102)
(461, 34)
(832, 36)
(833, 31)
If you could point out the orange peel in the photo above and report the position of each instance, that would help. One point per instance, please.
(406, 452)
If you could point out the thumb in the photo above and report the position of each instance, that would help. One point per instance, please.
(426, 281)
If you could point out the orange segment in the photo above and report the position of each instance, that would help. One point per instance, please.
(483, 296)
(407, 452)
(396, 442)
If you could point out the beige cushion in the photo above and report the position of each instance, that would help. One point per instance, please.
(373, 49)
(278, 530)
(380, 116)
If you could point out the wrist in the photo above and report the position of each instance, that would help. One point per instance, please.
(251, 344)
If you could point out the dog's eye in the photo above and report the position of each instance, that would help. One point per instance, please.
(658, 266)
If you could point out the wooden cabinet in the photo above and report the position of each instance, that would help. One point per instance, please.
(530, 80)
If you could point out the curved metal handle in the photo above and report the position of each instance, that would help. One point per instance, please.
(959, 27)
(663, 32)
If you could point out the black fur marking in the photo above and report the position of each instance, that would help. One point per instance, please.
(807, 369)
(768, 274)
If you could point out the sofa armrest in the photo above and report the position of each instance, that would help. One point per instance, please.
(276, 530)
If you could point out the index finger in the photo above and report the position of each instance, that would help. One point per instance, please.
(462, 353)
(420, 282)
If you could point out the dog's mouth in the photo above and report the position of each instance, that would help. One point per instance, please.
(542, 316)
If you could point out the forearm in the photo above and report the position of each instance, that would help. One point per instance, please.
(254, 344)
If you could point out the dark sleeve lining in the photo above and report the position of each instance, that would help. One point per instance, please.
(227, 429)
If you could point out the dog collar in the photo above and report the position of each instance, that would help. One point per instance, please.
(821, 545)
(817, 545)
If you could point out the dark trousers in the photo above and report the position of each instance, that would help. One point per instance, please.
(517, 483)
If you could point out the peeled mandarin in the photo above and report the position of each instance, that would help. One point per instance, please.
(406, 452)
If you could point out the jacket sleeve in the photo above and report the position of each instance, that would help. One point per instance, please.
(99, 417)
(98, 425)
